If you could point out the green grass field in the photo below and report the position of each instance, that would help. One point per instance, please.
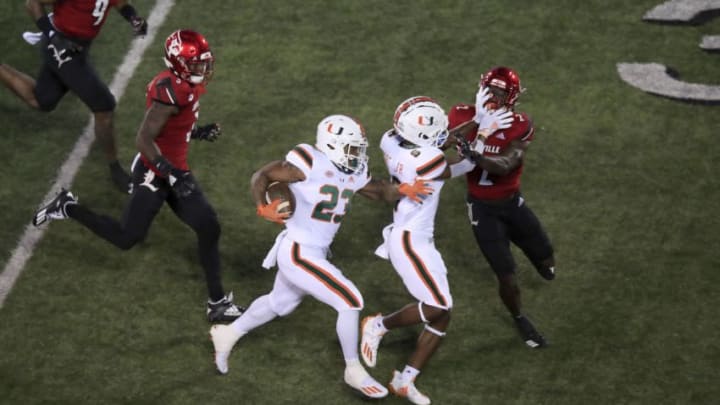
(623, 181)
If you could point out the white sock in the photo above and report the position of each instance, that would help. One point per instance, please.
(347, 331)
(259, 313)
(352, 362)
(410, 373)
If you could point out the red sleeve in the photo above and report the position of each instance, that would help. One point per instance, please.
(525, 127)
(460, 114)
(166, 89)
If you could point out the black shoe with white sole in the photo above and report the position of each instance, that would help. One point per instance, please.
(529, 334)
(548, 273)
(224, 310)
(55, 209)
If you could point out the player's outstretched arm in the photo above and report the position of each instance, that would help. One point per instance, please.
(36, 10)
(504, 163)
(139, 25)
(459, 132)
(387, 191)
(380, 190)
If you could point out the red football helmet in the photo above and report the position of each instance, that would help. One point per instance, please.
(188, 55)
(504, 83)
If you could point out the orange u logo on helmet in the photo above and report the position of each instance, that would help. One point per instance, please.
(425, 121)
(330, 129)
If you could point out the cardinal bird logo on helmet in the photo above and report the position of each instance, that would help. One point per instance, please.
(174, 48)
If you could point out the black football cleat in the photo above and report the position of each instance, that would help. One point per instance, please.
(120, 178)
(548, 273)
(529, 334)
(224, 310)
(55, 209)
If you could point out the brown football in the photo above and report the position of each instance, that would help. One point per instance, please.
(279, 190)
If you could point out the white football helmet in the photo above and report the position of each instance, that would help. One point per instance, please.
(343, 140)
(422, 121)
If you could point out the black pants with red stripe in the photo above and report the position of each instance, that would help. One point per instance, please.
(145, 202)
(495, 225)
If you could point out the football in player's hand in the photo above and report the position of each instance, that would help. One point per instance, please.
(279, 190)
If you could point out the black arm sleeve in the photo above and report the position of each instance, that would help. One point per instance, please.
(128, 12)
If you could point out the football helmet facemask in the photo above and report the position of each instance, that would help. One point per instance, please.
(343, 141)
(504, 84)
(188, 55)
(421, 121)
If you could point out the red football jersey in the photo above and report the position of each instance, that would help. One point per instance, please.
(481, 184)
(81, 18)
(174, 138)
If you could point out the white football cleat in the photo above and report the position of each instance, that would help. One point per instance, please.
(371, 337)
(358, 378)
(223, 338)
(407, 389)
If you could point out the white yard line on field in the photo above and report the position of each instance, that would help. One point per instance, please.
(30, 238)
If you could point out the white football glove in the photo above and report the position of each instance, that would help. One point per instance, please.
(494, 120)
(482, 96)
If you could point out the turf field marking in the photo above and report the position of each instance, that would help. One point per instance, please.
(31, 236)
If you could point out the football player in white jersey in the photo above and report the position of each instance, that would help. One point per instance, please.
(412, 151)
(323, 179)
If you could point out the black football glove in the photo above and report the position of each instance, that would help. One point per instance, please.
(139, 26)
(163, 166)
(182, 183)
(63, 45)
(463, 146)
(209, 132)
(465, 150)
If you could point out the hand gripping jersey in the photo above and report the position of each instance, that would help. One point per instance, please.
(405, 165)
(81, 18)
(174, 138)
(322, 199)
(481, 184)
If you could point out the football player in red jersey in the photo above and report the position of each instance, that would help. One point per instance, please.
(67, 34)
(493, 166)
(160, 172)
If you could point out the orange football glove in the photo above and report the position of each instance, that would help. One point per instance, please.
(270, 212)
(416, 191)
